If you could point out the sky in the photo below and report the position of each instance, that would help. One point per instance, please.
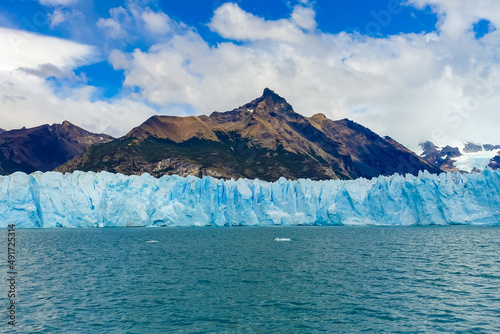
(414, 70)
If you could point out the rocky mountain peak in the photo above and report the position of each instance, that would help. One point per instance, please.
(44, 147)
(66, 124)
(451, 151)
(270, 104)
(472, 147)
(319, 116)
(428, 146)
(263, 139)
(270, 94)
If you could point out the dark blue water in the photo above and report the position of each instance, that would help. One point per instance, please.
(240, 280)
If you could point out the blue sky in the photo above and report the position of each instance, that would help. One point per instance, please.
(365, 17)
(108, 65)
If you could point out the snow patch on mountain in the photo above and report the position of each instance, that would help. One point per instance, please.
(467, 157)
(474, 160)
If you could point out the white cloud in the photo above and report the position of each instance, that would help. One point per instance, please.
(457, 17)
(57, 2)
(114, 26)
(304, 17)
(135, 21)
(119, 60)
(23, 49)
(60, 16)
(156, 22)
(56, 18)
(231, 22)
(440, 86)
(443, 86)
(27, 99)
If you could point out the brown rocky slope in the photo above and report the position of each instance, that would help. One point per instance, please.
(263, 139)
(44, 147)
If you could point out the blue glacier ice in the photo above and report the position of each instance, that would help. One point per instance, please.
(87, 199)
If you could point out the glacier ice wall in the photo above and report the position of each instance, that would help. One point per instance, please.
(103, 199)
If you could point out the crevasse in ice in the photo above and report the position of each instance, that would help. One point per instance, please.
(90, 199)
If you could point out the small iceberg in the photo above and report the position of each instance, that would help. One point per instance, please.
(283, 239)
(150, 241)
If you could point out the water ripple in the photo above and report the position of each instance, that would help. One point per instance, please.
(332, 279)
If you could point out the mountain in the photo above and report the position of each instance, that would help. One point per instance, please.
(263, 139)
(468, 157)
(44, 147)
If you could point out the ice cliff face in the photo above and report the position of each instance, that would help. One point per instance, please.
(103, 199)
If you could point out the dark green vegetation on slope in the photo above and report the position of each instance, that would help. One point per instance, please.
(230, 157)
(264, 139)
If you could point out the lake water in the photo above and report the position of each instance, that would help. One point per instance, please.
(240, 280)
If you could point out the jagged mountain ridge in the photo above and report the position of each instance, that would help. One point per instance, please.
(263, 139)
(44, 147)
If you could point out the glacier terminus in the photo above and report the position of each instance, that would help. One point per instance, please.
(88, 199)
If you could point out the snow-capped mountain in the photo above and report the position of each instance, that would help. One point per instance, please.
(467, 157)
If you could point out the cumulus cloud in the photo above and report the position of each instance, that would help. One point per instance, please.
(133, 21)
(441, 86)
(156, 22)
(232, 22)
(114, 26)
(304, 17)
(27, 99)
(457, 17)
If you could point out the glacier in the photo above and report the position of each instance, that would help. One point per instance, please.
(88, 199)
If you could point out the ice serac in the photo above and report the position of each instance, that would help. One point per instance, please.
(90, 199)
